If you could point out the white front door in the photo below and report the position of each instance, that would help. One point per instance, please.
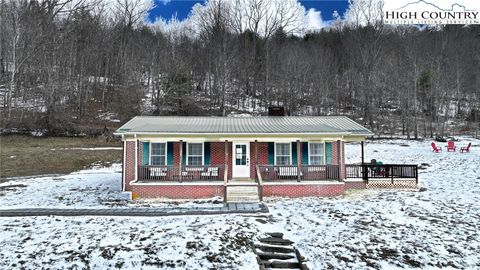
(241, 159)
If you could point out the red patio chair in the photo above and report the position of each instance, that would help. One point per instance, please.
(451, 146)
(464, 149)
(435, 148)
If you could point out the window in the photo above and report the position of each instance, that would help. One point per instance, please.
(316, 154)
(282, 154)
(195, 154)
(158, 153)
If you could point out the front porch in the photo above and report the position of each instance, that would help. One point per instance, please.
(240, 170)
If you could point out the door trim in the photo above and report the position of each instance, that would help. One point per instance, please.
(235, 173)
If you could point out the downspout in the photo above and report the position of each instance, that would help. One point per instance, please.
(123, 163)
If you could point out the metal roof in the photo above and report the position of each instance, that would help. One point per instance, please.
(243, 125)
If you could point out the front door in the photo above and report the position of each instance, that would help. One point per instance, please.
(241, 159)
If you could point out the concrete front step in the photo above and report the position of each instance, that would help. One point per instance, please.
(242, 194)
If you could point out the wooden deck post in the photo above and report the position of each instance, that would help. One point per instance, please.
(299, 160)
(180, 162)
(416, 175)
(364, 168)
(391, 172)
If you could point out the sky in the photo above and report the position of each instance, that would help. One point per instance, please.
(180, 9)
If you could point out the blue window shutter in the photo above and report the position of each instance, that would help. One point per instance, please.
(184, 153)
(271, 153)
(328, 152)
(169, 153)
(294, 153)
(206, 150)
(305, 153)
(145, 153)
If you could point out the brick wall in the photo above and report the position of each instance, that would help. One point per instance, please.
(176, 153)
(262, 156)
(217, 155)
(342, 157)
(295, 191)
(129, 164)
(177, 191)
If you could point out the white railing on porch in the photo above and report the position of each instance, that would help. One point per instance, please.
(181, 173)
(299, 173)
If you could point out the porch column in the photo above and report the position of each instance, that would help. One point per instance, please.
(364, 169)
(180, 161)
(339, 159)
(225, 160)
(299, 159)
(256, 156)
(136, 158)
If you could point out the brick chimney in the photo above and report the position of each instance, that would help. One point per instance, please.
(277, 111)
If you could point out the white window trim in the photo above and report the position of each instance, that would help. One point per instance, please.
(150, 153)
(275, 152)
(324, 153)
(203, 152)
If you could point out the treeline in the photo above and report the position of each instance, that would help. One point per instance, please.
(64, 63)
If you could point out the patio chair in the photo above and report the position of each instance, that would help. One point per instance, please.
(465, 149)
(287, 172)
(158, 172)
(191, 173)
(379, 170)
(435, 148)
(451, 146)
(212, 172)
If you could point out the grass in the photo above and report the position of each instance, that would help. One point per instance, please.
(25, 155)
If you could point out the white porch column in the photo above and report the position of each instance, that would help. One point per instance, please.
(136, 158)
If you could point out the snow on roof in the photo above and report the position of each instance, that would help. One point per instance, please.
(244, 125)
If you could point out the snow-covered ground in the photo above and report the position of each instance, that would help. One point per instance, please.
(387, 229)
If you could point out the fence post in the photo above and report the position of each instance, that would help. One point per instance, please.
(416, 175)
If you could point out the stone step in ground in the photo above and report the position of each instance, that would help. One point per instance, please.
(242, 194)
(275, 252)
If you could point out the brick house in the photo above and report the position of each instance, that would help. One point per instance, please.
(201, 157)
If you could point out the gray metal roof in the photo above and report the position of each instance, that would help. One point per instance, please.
(243, 125)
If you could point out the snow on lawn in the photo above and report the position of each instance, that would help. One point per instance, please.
(86, 188)
(207, 242)
(436, 228)
(370, 229)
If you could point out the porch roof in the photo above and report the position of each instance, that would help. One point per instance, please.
(340, 125)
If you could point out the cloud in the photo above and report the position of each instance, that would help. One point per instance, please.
(165, 2)
(314, 19)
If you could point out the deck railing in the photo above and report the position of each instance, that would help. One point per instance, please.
(183, 173)
(388, 171)
(302, 173)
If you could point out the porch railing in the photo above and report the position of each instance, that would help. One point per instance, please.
(183, 173)
(388, 171)
(302, 173)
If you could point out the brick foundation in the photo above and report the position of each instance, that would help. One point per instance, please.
(355, 185)
(177, 191)
(303, 190)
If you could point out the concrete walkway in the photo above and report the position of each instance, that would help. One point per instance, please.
(228, 208)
